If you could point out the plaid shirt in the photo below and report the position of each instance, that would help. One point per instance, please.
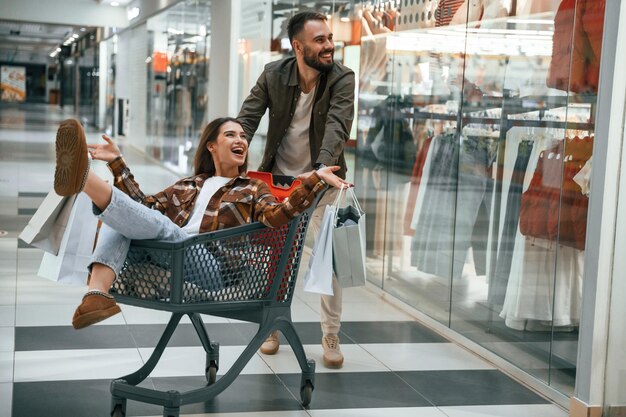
(242, 200)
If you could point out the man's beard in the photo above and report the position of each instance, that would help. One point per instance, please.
(313, 60)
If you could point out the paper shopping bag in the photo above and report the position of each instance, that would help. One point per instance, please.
(70, 265)
(349, 244)
(319, 277)
(46, 228)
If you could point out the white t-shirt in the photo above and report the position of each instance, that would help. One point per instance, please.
(294, 153)
(210, 187)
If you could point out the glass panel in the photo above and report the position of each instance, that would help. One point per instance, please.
(411, 66)
(576, 157)
(525, 135)
(68, 75)
(109, 116)
(178, 69)
(88, 86)
(474, 145)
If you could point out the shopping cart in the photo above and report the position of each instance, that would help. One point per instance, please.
(246, 273)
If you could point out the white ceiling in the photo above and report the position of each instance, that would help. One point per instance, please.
(32, 42)
(31, 30)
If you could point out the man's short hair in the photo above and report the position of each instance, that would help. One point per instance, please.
(297, 21)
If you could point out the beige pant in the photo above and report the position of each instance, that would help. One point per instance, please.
(331, 304)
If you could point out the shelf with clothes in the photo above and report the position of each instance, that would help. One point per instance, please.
(536, 283)
(452, 137)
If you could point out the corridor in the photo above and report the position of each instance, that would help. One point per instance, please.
(395, 366)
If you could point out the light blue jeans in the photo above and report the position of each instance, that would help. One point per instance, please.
(124, 220)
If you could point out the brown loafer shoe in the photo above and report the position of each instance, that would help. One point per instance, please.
(72, 160)
(96, 306)
(333, 358)
(271, 344)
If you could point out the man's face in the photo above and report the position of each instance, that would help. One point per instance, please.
(316, 45)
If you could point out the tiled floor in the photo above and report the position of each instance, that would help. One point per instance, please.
(394, 365)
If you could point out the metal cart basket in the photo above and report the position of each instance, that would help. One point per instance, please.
(245, 273)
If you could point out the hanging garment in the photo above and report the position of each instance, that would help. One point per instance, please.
(554, 207)
(390, 139)
(416, 177)
(575, 64)
(456, 207)
(434, 228)
(499, 279)
(446, 10)
(545, 284)
(593, 25)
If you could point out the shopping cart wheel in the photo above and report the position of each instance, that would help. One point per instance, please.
(211, 372)
(118, 412)
(306, 393)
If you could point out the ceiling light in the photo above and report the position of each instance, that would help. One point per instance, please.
(132, 13)
(115, 3)
(83, 29)
(75, 36)
(58, 49)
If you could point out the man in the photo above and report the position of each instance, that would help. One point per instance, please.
(311, 107)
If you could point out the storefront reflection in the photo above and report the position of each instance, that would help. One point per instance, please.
(472, 160)
(178, 41)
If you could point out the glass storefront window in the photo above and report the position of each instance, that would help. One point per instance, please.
(110, 67)
(178, 71)
(473, 160)
(88, 83)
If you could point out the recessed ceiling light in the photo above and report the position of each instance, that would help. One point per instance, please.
(115, 3)
(82, 29)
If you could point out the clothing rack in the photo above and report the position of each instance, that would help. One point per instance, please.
(509, 106)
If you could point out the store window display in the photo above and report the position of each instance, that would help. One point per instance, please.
(178, 66)
(479, 179)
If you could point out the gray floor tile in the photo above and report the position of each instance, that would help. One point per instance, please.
(358, 390)
(476, 387)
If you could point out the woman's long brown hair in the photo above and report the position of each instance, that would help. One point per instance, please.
(203, 161)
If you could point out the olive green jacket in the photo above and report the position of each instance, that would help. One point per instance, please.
(331, 120)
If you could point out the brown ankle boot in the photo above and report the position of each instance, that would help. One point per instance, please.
(72, 159)
(271, 344)
(96, 306)
(333, 358)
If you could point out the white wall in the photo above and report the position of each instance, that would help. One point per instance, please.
(224, 59)
(67, 12)
(138, 86)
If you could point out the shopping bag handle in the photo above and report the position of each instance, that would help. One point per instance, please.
(341, 197)
(354, 200)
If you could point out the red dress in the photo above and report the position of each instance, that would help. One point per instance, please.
(578, 27)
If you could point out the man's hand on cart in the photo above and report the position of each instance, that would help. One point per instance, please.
(326, 174)
(104, 152)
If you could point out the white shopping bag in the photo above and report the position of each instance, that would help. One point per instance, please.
(70, 265)
(46, 228)
(319, 277)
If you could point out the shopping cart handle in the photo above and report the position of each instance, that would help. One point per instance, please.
(281, 186)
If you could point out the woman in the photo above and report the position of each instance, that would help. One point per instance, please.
(217, 196)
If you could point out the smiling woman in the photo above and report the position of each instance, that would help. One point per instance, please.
(222, 150)
(218, 196)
